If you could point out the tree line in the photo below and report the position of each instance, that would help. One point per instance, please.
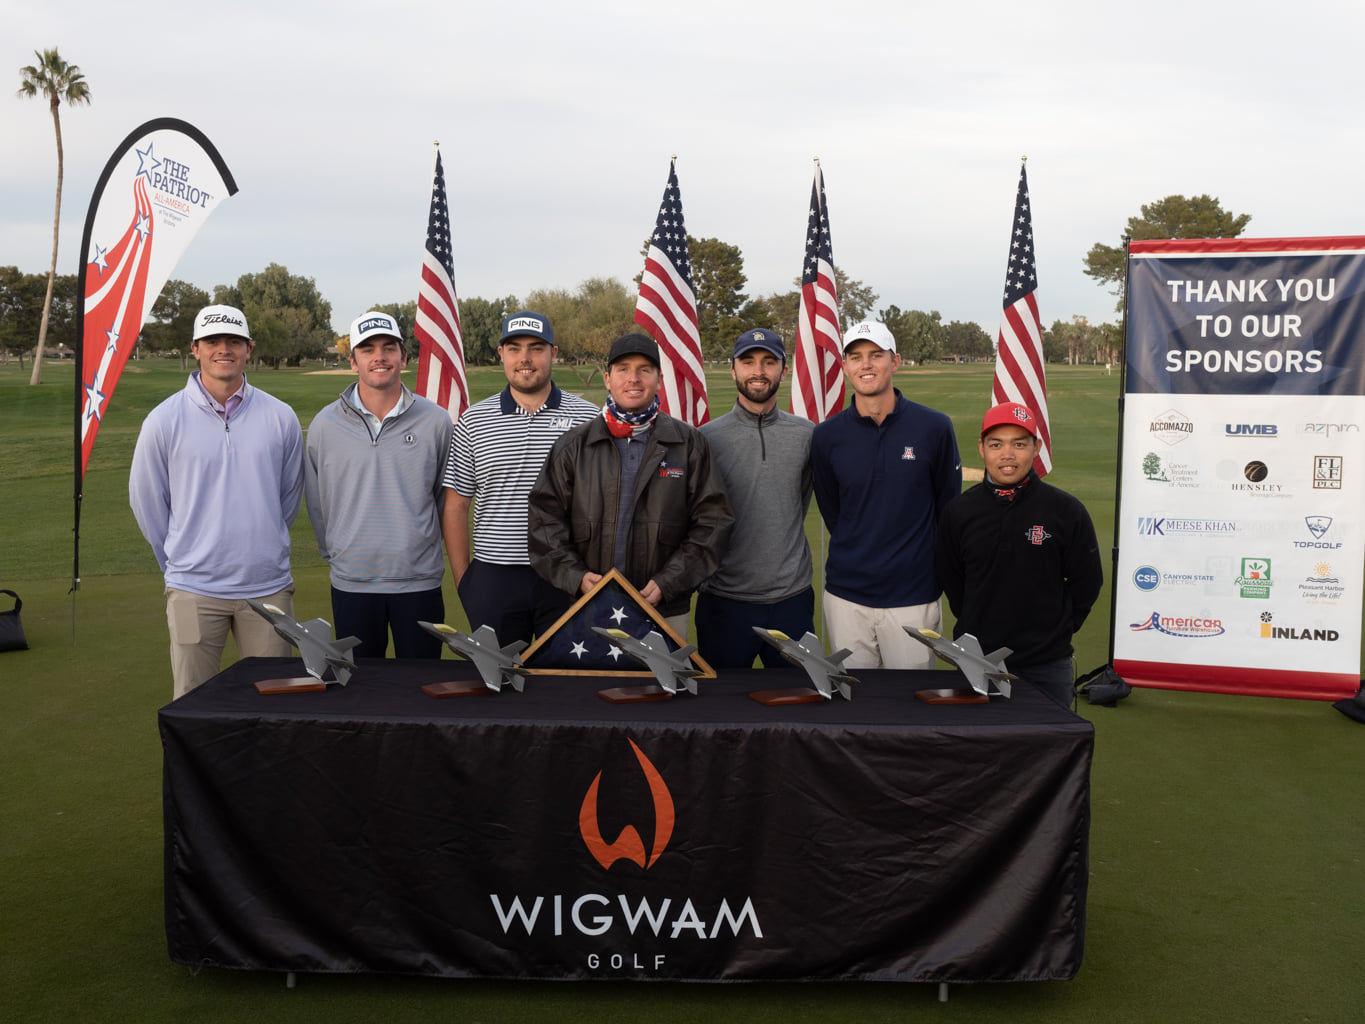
(291, 321)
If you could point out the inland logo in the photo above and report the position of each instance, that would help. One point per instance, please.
(1270, 631)
(628, 845)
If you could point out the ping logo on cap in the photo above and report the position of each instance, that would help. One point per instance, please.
(376, 323)
(526, 323)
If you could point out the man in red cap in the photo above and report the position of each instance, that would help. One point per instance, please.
(1018, 559)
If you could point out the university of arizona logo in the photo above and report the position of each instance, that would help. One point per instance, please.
(909, 454)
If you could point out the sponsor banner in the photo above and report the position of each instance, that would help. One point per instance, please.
(1240, 556)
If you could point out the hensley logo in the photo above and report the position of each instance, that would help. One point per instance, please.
(628, 845)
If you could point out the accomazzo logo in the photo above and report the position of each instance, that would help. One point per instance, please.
(624, 917)
(1172, 427)
(1270, 631)
(1181, 626)
(1146, 578)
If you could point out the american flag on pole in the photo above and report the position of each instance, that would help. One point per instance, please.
(440, 361)
(818, 382)
(667, 309)
(1019, 375)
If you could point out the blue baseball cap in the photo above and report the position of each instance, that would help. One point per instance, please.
(768, 341)
(527, 324)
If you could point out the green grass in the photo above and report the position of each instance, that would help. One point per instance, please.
(1226, 845)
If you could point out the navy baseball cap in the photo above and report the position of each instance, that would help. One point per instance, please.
(527, 324)
(767, 340)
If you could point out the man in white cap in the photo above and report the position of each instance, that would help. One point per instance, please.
(215, 484)
(372, 478)
(884, 469)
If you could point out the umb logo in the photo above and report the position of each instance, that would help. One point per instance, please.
(628, 844)
(1251, 430)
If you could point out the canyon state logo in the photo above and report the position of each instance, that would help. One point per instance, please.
(628, 845)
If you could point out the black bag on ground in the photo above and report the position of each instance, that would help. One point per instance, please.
(11, 629)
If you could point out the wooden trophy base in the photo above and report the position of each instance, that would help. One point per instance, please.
(796, 695)
(456, 689)
(634, 694)
(952, 696)
(299, 684)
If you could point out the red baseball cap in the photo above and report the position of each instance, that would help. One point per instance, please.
(1009, 414)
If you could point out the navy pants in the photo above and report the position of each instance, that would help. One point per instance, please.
(371, 616)
(725, 628)
(513, 599)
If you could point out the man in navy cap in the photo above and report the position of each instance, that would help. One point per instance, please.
(633, 489)
(496, 454)
(763, 456)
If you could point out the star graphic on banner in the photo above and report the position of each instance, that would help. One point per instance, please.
(578, 649)
(143, 157)
(99, 262)
(112, 335)
(144, 225)
(614, 653)
(618, 615)
(94, 401)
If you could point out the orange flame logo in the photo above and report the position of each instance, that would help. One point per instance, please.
(628, 845)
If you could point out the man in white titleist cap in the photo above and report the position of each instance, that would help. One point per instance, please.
(884, 469)
(372, 477)
(215, 484)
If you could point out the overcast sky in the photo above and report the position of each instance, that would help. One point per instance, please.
(557, 122)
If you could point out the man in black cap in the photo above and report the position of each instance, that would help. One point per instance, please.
(763, 455)
(634, 489)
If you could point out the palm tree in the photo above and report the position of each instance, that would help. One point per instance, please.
(57, 80)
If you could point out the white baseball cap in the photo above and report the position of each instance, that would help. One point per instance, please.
(212, 321)
(870, 330)
(372, 325)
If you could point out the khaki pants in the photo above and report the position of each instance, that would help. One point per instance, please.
(199, 627)
(875, 635)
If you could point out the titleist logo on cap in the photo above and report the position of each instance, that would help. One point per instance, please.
(222, 318)
(526, 322)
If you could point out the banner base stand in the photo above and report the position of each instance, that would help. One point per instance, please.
(952, 695)
(634, 694)
(453, 689)
(299, 684)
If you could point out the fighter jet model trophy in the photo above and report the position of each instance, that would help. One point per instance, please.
(672, 669)
(827, 673)
(316, 646)
(980, 669)
(497, 665)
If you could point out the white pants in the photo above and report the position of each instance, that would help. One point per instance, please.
(875, 635)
